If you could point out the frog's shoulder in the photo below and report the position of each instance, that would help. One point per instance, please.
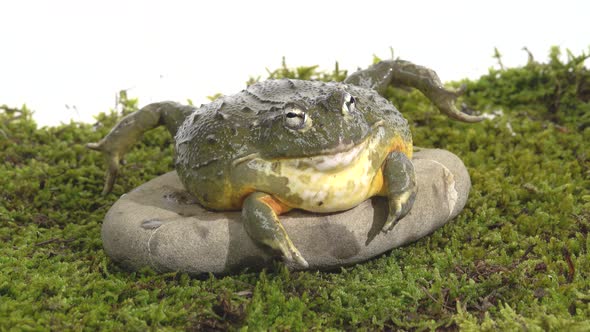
(377, 108)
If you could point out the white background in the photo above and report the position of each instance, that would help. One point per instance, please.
(68, 59)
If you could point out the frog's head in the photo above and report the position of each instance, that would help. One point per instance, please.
(308, 119)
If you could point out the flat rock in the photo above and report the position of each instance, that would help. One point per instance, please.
(159, 225)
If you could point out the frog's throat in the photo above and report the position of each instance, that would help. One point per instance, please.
(331, 159)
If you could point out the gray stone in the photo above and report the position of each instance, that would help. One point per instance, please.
(159, 225)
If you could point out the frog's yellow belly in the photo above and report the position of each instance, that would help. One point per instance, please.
(328, 191)
(325, 183)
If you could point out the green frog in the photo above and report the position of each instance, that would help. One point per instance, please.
(293, 144)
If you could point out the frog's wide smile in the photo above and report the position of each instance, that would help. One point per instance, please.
(328, 160)
(339, 157)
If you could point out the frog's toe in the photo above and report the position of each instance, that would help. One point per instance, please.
(111, 175)
(290, 252)
(461, 91)
(400, 179)
(112, 160)
(399, 206)
(93, 146)
(260, 218)
(445, 100)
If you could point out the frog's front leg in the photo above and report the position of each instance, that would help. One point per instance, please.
(260, 218)
(400, 181)
(130, 129)
(402, 73)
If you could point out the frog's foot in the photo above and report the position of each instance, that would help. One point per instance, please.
(130, 129)
(445, 100)
(112, 158)
(402, 73)
(260, 217)
(427, 81)
(400, 179)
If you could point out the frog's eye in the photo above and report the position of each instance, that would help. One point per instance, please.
(296, 119)
(348, 106)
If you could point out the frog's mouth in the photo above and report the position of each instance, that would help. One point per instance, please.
(332, 159)
(336, 158)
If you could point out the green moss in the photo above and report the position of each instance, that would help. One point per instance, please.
(515, 258)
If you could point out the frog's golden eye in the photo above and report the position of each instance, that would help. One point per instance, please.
(296, 119)
(348, 106)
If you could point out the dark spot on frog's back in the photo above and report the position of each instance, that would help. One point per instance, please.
(211, 139)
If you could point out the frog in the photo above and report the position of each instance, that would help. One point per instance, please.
(285, 144)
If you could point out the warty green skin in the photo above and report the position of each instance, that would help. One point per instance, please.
(214, 143)
(253, 150)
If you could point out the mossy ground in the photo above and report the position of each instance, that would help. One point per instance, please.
(515, 259)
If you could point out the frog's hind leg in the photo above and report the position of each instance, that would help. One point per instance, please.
(402, 73)
(400, 180)
(130, 129)
(260, 218)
